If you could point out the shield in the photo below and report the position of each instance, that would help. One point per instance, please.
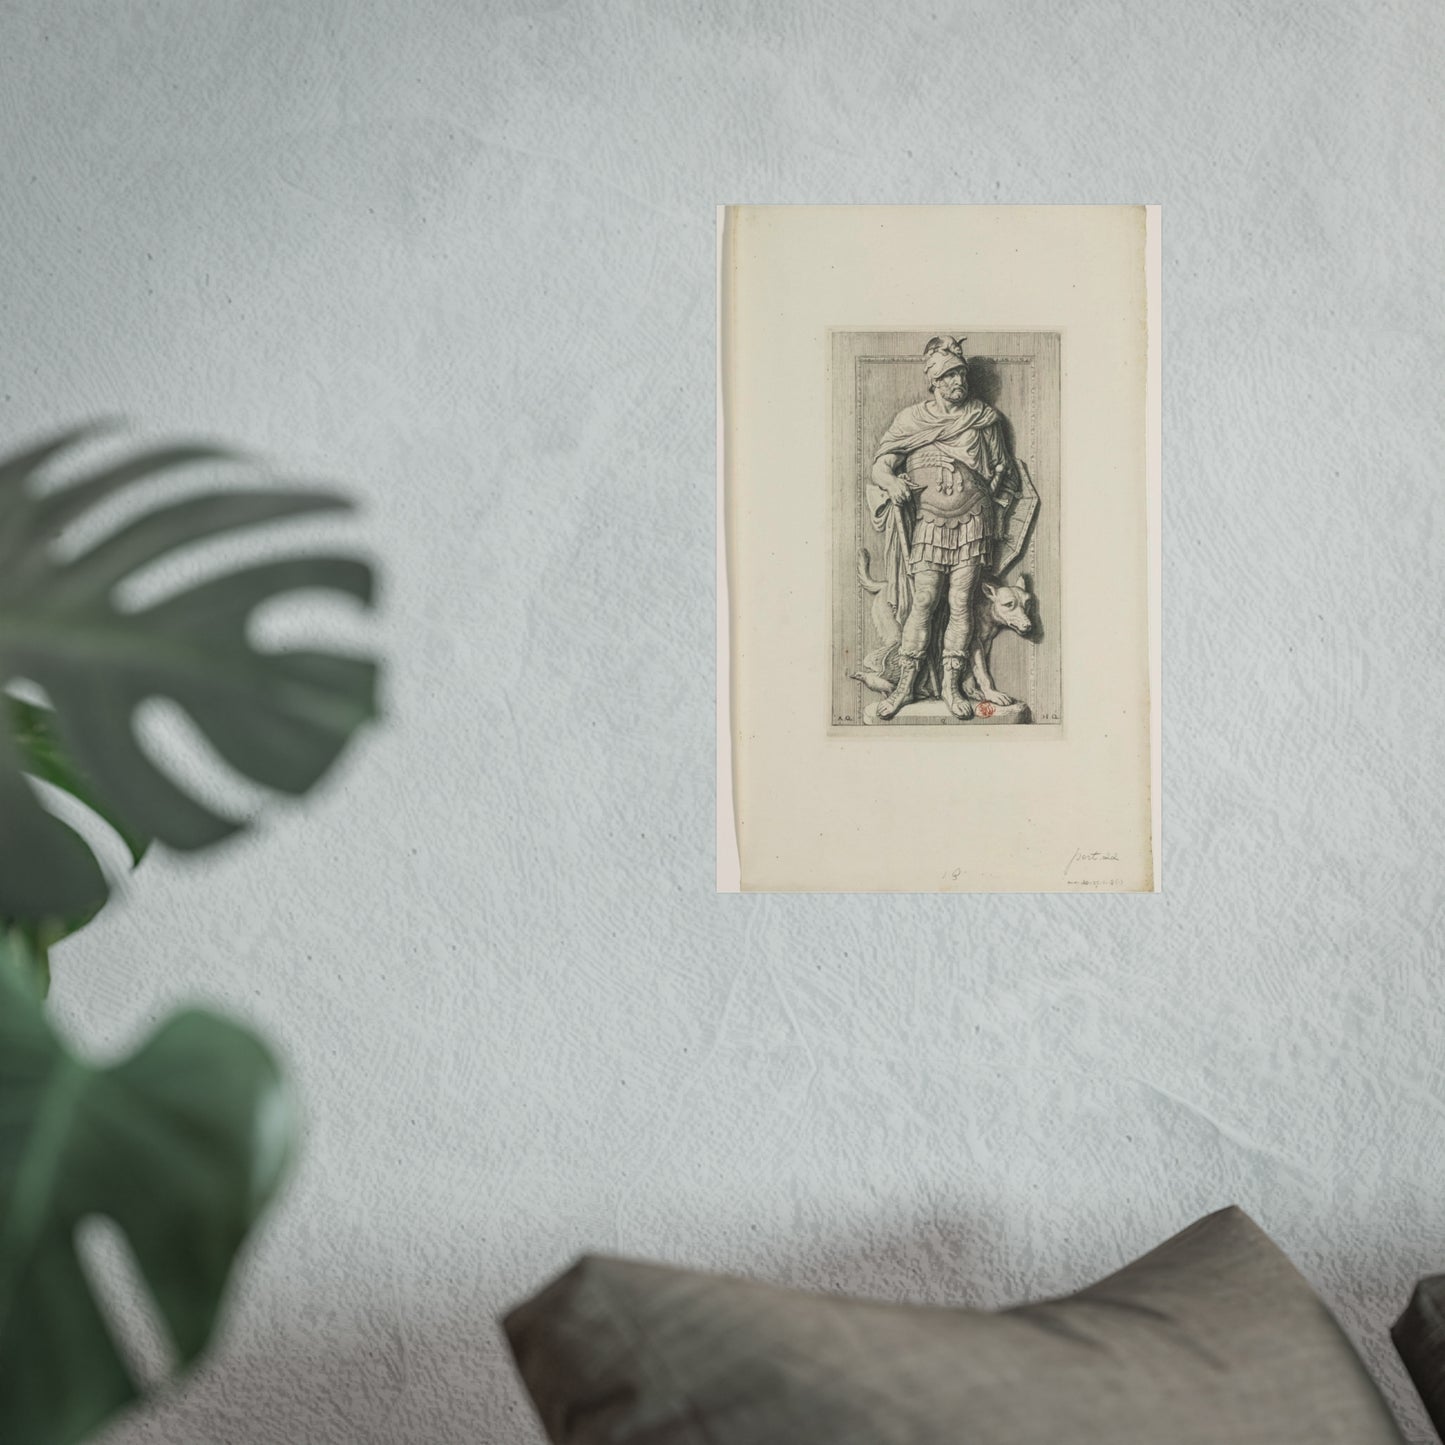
(1020, 521)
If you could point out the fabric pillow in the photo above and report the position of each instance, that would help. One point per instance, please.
(1213, 1337)
(1419, 1336)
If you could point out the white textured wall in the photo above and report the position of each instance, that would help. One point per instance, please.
(460, 255)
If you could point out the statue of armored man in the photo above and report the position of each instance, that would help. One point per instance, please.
(954, 510)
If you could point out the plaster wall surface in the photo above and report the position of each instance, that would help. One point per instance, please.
(460, 258)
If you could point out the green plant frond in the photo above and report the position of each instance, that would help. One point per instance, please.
(34, 730)
(279, 718)
(24, 956)
(182, 1144)
(196, 519)
(46, 868)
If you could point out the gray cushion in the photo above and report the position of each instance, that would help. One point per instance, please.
(1419, 1336)
(1212, 1337)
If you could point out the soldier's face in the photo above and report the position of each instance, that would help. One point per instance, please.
(953, 385)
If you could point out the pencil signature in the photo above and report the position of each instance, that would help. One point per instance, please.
(1082, 857)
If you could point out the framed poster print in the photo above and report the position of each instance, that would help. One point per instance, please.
(938, 583)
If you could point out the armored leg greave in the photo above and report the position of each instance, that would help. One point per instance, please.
(953, 700)
(928, 586)
(962, 593)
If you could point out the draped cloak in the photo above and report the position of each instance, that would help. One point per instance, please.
(973, 435)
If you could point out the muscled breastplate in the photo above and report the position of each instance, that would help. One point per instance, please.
(946, 487)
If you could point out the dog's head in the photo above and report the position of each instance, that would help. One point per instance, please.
(1008, 604)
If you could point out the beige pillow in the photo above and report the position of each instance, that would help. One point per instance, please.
(1212, 1337)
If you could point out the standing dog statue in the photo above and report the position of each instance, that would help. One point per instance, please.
(1000, 605)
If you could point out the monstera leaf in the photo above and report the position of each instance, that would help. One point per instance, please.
(280, 718)
(34, 731)
(181, 1144)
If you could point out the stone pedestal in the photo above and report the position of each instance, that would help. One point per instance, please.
(932, 713)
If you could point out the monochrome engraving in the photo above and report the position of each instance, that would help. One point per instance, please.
(945, 544)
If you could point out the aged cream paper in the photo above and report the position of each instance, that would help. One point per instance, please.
(857, 762)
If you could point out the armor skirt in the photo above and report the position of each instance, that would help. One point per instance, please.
(939, 546)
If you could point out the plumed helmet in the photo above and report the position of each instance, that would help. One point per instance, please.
(943, 354)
